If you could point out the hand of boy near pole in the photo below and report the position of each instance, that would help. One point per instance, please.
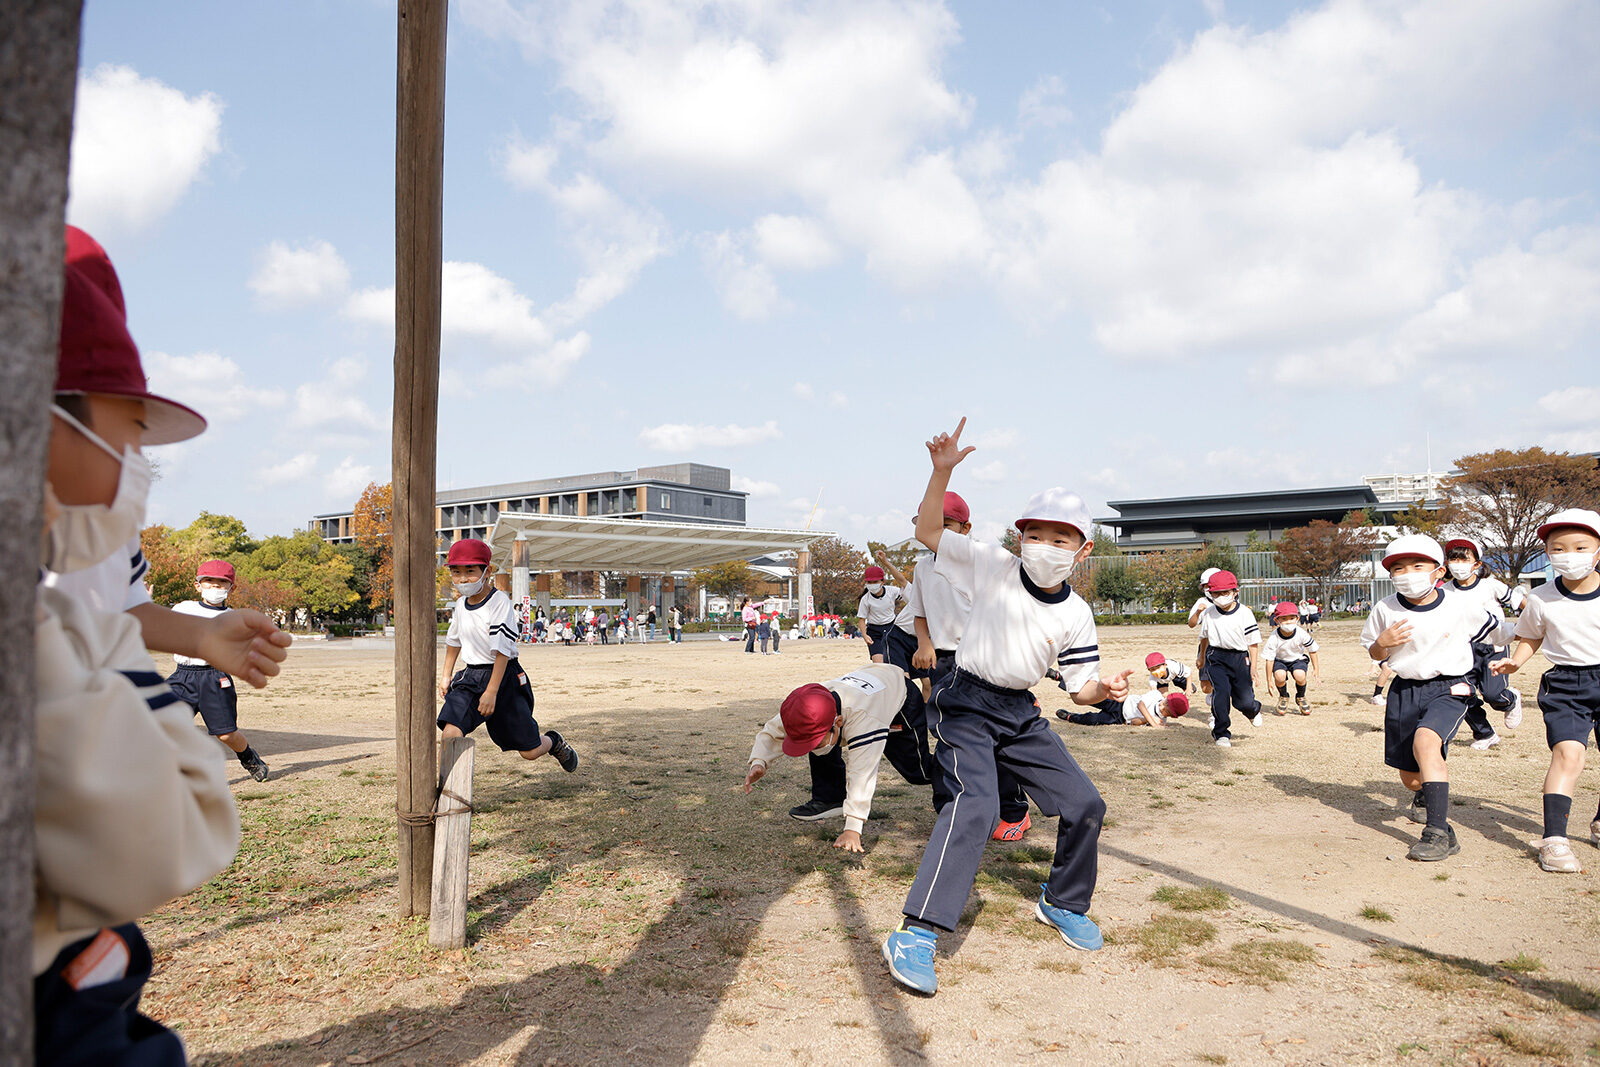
(245, 644)
(491, 692)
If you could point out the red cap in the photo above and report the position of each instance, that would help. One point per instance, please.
(1177, 704)
(1464, 542)
(1154, 660)
(97, 354)
(1222, 581)
(874, 574)
(956, 508)
(1285, 608)
(807, 715)
(468, 552)
(215, 568)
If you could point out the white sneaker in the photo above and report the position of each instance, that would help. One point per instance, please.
(1255, 720)
(1486, 742)
(1555, 855)
(1514, 712)
(1211, 722)
(1377, 698)
(1223, 742)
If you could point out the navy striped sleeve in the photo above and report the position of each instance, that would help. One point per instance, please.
(871, 737)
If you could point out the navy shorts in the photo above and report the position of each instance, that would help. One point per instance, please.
(512, 726)
(92, 1019)
(1569, 698)
(901, 647)
(211, 693)
(1290, 666)
(1438, 704)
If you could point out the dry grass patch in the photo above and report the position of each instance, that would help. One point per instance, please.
(1163, 939)
(1529, 1045)
(1260, 962)
(1197, 898)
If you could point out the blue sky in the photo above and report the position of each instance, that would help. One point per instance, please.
(1147, 248)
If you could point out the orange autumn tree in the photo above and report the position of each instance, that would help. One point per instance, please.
(373, 527)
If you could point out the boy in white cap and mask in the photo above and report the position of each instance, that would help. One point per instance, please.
(1427, 639)
(1562, 618)
(1025, 619)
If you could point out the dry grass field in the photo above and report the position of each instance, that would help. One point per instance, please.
(1257, 902)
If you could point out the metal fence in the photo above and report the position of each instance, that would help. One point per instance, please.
(1261, 583)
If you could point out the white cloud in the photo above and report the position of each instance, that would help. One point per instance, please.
(475, 303)
(681, 437)
(1041, 104)
(333, 404)
(837, 399)
(754, 488)
(348, 479)
(747, 289)
(803, 391)
(547, 366)
(991, 473)
(1572, 405)
(304, 274)
(294, 469)
(137, 147)
(1004, 437)
(791, 243)
(210, 383)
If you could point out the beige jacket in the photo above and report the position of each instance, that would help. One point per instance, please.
(133, 805)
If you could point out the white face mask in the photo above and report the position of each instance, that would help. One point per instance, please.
(874, 588)
(1286, 628)
(84, 534)
(1225, 600)
(1461, 570)
(1413, 584)
(471, 588)
(213, 596)
(1047, 565)
(1573, 566)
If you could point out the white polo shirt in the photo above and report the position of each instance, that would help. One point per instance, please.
(1567, 623)
(1297, 646)
(878, 610)
(1442, 634)
(1177, 674)
(1131, 708)
(202, 610)
(113, 585)
(946, 605)
(1234, 629)
(1488, 592)
(482, 629)
(1015, 632)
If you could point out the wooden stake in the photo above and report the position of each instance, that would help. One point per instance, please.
(452, 845)
(38, 76)
(418, 267)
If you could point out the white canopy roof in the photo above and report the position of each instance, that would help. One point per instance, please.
(570, 543)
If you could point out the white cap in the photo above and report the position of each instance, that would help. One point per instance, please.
(1205, 575)
(1469, 542)
(1413, 545)
(1058, 505)
(1583, 517)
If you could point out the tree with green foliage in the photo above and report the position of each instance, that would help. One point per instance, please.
(1117, 581)
(1011, 541)
(836, 567)
(1105, 541)
(1326, 552)
(1167, 576)
(725, 579)
(1502, 497)
(212, 536)
(1422, 517)
(1218, 554)
(318, 574)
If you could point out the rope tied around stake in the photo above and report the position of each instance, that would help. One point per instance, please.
(425, 818)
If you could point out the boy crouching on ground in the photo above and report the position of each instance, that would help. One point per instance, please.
(1150, 708)
(492, 687)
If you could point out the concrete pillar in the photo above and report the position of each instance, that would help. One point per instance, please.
(583, 504)
(519, 569)
(541, 592)
(802, 570)
(669, 595)
(634, 585)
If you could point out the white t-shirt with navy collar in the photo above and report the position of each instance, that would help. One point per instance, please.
(1442, 634)
(1568, 623)
(878, 610)
(203, 610)
(113, 585)
(1234, 629)
(1017, 631)
(1292, 649)
(943, 603)
(482, 629)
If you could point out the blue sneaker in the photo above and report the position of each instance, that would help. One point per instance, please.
(909, 953)
(1079, 931)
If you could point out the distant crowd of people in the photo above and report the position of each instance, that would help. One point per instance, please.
(599, 626)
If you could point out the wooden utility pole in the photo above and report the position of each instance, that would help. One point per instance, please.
(418, 269)
(38, 76)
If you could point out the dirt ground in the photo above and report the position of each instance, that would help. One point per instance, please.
(1257, 902)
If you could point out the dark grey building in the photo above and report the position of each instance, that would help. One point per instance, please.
(1192, 521)
(677, 492)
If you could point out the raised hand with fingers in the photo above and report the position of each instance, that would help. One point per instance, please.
(945, 449)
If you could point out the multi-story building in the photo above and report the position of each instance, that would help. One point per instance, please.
(677, 492)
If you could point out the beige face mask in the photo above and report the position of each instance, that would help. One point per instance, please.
(81, 535)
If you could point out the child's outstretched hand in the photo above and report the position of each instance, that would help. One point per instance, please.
(1395, 636)
(850, 841)
(753, 776)
(1117, 687)
(945, 449)
(245, 644)
(1503, 666)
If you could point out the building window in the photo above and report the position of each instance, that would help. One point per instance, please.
(666, 501)
(708, 504)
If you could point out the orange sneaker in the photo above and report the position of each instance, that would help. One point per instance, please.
(1012, 831)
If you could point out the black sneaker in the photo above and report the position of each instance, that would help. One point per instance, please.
(1435, 845)
(564, 753)
(1417, 811)
(1063, 714)
(251, 761)
(816, 811)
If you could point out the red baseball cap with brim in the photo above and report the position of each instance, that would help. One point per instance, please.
(807, 715)
(873, 574)
(96, 353)
(956, 508)
(1286, 609)
(1582, 518)
(468, 552)
(1154, 660)
(1177, 704)
(215, 568)
(1222, 581)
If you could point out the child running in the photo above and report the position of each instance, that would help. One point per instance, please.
(1229, 643)
(210, 693)
(1427, 639)
(1150, 708)
(1290, 649)
(1025, 618)
(1562, 618)
(877, 612)
(491, 687)
(871, 712)
(1463, 558)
